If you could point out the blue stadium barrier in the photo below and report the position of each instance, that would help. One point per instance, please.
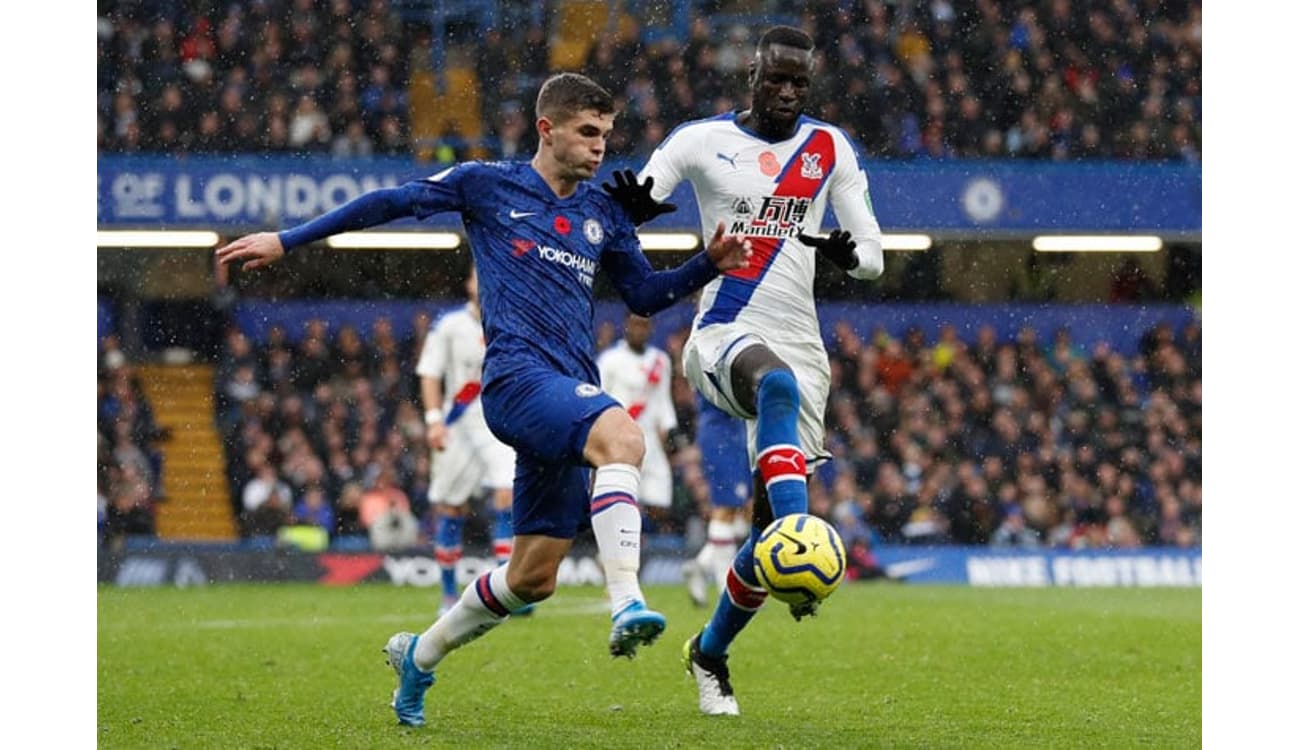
(164, 564)
(1121, 326)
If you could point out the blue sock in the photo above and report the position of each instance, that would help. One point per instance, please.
(781, 461)
(447, 550)
(503, 535)
(737, 604)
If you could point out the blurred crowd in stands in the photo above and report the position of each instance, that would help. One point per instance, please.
(129, 460)
(279, 76)
(1031, 442)
(921, 79)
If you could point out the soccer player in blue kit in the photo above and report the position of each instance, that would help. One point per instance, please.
(538, 233)
(720, 438)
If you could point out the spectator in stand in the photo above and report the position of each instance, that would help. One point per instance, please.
(381, 97)
(392, 139)
(314, 509)
(267, 503)
(131, 508)
(385, 514)
(353, 142)
(347, 516)
(309, 128)
(383, 496)
(1014, 531)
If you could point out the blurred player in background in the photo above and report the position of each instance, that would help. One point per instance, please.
(755, 349)
(466, 456)
(724, 460)
(538, 233)
(639, 375)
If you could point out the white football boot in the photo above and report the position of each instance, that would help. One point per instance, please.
(713, 679)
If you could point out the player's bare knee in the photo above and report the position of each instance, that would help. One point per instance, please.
(615, 439)
(750, 368)
(628, 445)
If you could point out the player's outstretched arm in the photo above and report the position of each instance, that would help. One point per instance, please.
(253, 250)
(851, 199)
(368, 210)
(647, 291)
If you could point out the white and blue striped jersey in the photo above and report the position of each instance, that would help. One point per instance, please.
(769, 192)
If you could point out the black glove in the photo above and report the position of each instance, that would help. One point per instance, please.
(635, 199)
(838, 247)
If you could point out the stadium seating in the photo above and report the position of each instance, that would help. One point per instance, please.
(1045, 82)
(1122, 470)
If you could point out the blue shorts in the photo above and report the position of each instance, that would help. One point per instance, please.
(724, 455)
(545, 417)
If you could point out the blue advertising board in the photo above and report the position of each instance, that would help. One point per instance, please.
(151, 562)
(955, 198)
(992, 566)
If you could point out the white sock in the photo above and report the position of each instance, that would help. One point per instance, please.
(721, 539)
(704, 558)
(616, 523)
(482, 606)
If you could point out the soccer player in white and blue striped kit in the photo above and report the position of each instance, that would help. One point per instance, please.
(755, 349)
(538, 233)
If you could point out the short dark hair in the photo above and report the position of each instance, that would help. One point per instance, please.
(564, 95)
(787, 35)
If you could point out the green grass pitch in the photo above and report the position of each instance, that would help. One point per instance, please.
(884, 665)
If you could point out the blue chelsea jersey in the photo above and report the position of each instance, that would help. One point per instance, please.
(537, 256)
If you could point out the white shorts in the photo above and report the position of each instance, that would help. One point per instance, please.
(656, 488)
(707, 358)
(472, 459)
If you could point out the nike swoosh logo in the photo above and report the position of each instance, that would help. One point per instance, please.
(521, 214)
(799, 547)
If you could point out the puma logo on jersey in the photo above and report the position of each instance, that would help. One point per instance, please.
(729, 159)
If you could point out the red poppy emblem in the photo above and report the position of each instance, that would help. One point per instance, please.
(562, 225)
